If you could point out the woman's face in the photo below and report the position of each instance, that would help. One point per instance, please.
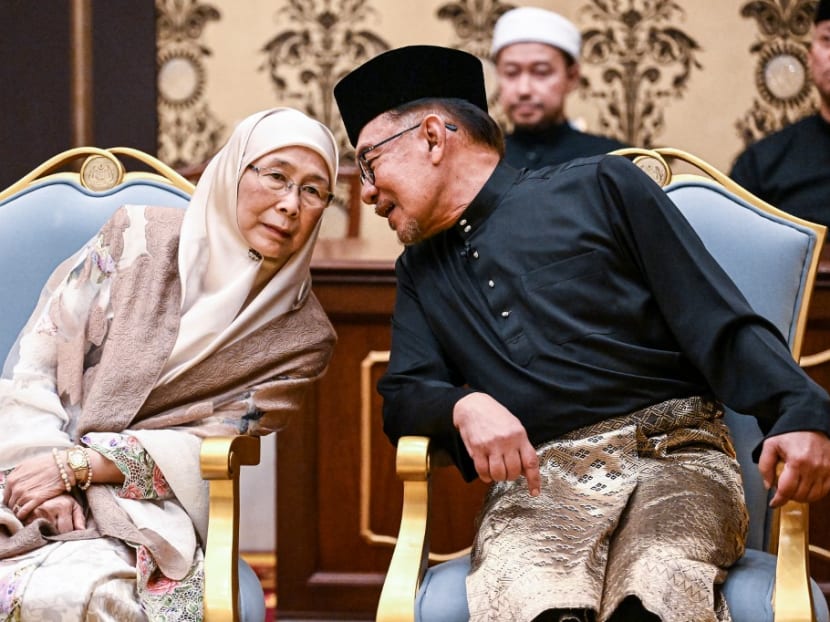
(278, 223)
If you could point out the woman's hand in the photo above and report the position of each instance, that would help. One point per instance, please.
(33, 482)
(63, 512)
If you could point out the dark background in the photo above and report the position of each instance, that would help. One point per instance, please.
(35, 80)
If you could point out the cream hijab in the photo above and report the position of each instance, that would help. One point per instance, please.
(216, 270)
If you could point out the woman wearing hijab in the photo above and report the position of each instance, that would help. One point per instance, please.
(169, 326)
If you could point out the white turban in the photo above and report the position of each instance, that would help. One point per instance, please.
(532, 25)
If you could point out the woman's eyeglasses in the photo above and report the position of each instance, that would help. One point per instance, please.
(274, 180)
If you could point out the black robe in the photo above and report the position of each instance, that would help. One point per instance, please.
(790, 169)
(555, 145)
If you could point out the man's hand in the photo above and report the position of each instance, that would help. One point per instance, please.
(806, 473)
(63, 512)
(496, 441)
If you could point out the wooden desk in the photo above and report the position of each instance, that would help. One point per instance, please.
(327, 568)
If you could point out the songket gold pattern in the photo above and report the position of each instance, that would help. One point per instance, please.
(650, 505)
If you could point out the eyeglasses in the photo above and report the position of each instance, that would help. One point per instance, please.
(274, 180)
(365, 166)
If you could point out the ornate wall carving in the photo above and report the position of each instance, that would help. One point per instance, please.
(703, 76)
(645, 59)
(781, 74)
(473, 22)
(325, 40)
(188, 131)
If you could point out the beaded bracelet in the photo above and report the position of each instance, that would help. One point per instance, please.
(61, 470)
(88, 481)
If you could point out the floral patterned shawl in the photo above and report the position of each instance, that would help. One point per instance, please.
(89, 360)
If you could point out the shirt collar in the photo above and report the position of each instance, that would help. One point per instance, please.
(488, 198)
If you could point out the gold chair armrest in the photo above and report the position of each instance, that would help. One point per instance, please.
(792, 600)
(815, 359)
(221, 459)
(820, 552)
(409, 558)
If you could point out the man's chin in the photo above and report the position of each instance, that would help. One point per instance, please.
(408, 232)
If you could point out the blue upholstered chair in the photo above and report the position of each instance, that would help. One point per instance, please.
(773, 258)
(44, 218)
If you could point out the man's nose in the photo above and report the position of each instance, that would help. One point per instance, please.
(368, 191)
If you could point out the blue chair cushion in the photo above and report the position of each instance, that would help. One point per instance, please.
(443, 593)
(61, 216)
(749, 586)
(251, 596)
(748, 591)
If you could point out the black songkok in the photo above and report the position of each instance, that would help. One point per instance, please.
(403, 75)
(822, 11)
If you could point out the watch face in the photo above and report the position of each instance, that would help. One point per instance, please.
(77, 459)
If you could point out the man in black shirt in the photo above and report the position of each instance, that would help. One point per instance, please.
(536, 53)
(791, 168)
(545, 336)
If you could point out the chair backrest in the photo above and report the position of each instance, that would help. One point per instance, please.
(47, 216)
(771, 256)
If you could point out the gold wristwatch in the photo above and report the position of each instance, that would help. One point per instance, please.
(78, 461)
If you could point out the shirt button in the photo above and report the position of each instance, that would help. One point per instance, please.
(463, 222)
(467, 229)
(505, 313)
(491, 283)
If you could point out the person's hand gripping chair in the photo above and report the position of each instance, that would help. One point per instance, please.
(773, 258)
(44, 218)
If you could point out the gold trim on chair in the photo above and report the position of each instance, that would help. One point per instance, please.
(650, 162)
(99, 173)
(792, 600)
(221, 461)
(101, 170)
(409, 559)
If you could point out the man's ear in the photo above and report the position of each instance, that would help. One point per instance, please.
(573, 71)
(436, 135)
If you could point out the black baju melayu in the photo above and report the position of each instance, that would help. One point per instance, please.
(571, 295)
(790, 169)
(555, 145)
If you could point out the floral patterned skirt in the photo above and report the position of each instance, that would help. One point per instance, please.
(101, 579)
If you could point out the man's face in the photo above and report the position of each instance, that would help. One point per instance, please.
(820, 60)
(534, 80)
(400, 190)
